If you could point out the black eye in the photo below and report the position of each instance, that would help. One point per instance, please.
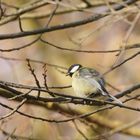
(70, 74)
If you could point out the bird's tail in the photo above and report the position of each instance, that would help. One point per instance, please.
(115, 99)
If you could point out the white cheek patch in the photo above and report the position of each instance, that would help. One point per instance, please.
(75, 68)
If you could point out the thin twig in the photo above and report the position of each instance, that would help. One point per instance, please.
(20, 47)
(80, 132)
(34, 61)
(14, 110)
(45, 80)
(88, 51)
(14, 136)
(20, 24)
(35, 77)
(62, 26)
(20, 95)
(123, 62)
(125, 40)
(119, 129)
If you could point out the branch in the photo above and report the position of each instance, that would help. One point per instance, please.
(34, 75)
(96, 119)
(123, 62)
(63, 98)
(20, 47)
(14, 136)
(23, 10)
(34, 61)
(67, 25)
(14, 110)
(134, 46)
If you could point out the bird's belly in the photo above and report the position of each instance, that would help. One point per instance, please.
(82, 87)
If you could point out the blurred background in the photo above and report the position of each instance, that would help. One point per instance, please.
(120, 30)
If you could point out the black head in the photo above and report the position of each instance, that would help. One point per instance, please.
(73, 68)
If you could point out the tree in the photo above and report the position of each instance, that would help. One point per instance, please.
(39, 40)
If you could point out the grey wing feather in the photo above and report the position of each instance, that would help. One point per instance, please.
(115, 99)
(95, 83)
(112, 97)
(99, 82)
(95, 78)
(97, 75)
(89, 71)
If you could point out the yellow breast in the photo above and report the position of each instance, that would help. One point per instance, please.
(82, 87)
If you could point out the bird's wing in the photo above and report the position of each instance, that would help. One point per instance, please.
(97, 80)
(96, 84)
(102, 89)
(92, 73)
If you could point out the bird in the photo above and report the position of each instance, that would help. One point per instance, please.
(88, 82)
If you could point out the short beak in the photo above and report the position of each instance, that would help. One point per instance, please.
(67, 74)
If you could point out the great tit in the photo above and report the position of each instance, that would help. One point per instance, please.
(88, 82)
